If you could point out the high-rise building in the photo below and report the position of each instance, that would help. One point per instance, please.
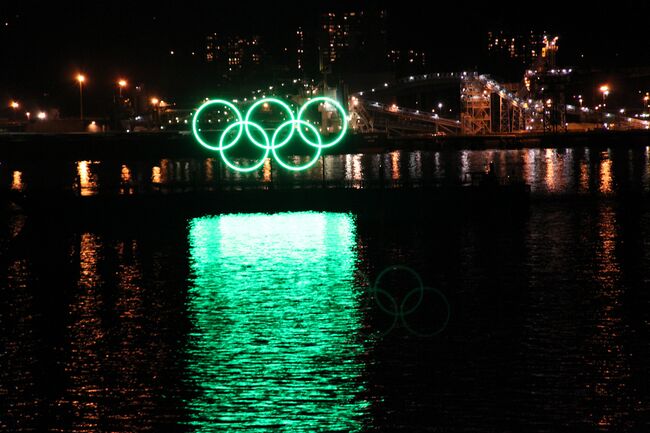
(409, 59)
(521, 47)
(233, 54)
(352, 40)
(300, 49)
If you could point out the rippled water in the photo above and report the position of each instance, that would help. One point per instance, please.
(265, 322)
(579, 170)
(276, 338)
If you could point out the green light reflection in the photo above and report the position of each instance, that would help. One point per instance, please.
(276, 323)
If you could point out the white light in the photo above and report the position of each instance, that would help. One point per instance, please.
(41, 115)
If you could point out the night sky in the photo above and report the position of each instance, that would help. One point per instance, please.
(43, 46)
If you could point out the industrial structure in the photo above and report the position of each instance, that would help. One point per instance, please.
(537, 104)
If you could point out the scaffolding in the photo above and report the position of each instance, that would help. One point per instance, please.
(476, 107)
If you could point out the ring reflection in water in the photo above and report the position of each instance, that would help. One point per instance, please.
(276, 323)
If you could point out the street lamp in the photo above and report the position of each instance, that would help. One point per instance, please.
(604, 89)
(156, 104)
(646, 99)
(121, 84)
(81, 79)
(14, 107)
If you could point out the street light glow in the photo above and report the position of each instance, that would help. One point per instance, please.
(604, 89)
(81, 78)
(122, 83)
(14, 105)
(155, 101)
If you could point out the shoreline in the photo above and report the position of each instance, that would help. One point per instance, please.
(80, 146)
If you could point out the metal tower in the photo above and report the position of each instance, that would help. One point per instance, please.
(476, 107)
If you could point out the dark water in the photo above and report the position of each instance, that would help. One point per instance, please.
(529, 322)
(579, 170)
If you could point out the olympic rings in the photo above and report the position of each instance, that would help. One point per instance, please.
(195, 121)
(339, 108)
(295, 123)
(309, 126)
(399, 311)
(229, 145)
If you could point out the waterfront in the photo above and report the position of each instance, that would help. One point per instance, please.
(258, 322)
(335, 216)
(548, 171)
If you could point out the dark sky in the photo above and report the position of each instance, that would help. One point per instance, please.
(43, 45)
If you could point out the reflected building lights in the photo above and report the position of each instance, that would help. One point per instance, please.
(610, 362)
(549, 176)
(126, 180)
(17, 181)
(125, 174)
(437, 167)
(415, 165)
(87, 179)
(348, 167)
(353, 169)
(267, 176)
(156, 176)
(394, 165)
(83, 393)
(464, 164)
(529, 168)
(583, 185)
(646, 169)
(605, 175)
(208, 166)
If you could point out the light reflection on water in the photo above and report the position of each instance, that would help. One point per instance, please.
(547, 171)
(17, 181)
(87, 178)
(276, 322)
(106, 334)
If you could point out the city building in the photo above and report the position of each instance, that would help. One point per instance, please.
(233, 54)
(523, 48)
(300, 49)
(352, 40)
(408, 60)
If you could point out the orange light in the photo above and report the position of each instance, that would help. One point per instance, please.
(604, 88)
(14, 104)
(81, 78)
(154, 101)
(122, 83)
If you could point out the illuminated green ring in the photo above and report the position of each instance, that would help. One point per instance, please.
(274, 147)
(195, 121)
(282, 104)
(341, 111)
(420, 289)
(294, 122)
(442, 327)
(395, 316)
(222, 148)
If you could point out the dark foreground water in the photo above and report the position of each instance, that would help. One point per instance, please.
(532, 321)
